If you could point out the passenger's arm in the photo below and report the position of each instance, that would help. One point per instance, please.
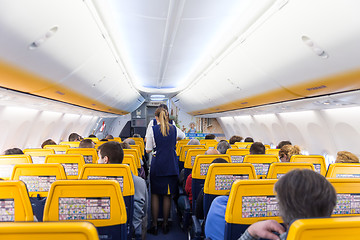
(263, 229)
(150, 143)
(179, 133)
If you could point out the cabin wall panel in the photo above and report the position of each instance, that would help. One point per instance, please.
(322, 132)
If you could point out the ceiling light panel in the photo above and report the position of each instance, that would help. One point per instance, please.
(162, 41)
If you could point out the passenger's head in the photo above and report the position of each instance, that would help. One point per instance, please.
(219, 160)
(235, 139)
(257, 148)
(193, 142)
(48, 142)
(74, 137)
(110, 152)
(130, 141)
(104, 140)
(211, 151)
(164, 106)
(346, 157)
(162, 115)
(87, 143)
(109, 136)
(223, 146)
(249, 139)
(304, 194)
(210, 136)
(136, 135)
(13, 151)
(283, 143)
(125, 145)
(287, 151)
(92, 136)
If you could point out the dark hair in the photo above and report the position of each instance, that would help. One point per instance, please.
(86, 143)
(125, 145)
(73, 137)
(249, 139)
(92, 136)
(109, 136)
(303, 193)
(13, 151)
(48, 142)
(113, 150)
(104, 140)
(283, 143)
(235, 139)
(210, 136)
(223, 146)
(219, 160)
(164, 106)
(257, 148)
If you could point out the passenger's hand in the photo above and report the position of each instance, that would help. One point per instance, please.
(265, 229)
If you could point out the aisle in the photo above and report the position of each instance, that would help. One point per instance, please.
(175, 233)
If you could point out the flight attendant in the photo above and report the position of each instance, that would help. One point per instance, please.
(164, 168)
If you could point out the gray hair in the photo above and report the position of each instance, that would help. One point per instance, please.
(194, 142)
(223, 146)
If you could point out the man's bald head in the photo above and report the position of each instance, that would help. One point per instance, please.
(212, 151)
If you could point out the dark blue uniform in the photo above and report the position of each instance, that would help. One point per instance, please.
(164, 168)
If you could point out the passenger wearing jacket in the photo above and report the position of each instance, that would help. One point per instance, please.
(301, 194)
(112, 152)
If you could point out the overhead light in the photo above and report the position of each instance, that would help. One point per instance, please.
(41, 40)
(314, 47)
(157, 96)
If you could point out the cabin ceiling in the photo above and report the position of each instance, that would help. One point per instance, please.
(208, 56)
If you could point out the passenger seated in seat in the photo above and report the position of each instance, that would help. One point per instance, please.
(109, 137)
(87, 143)
(223, 146)
(235, 139)
(188, 184)
(249, 139)
(283, 143)
(48, 142)
(287, 151)
(257, 148)
(74, 137)
(13, 151)
(300, 194)
(346, 157)
(210, 136)
(112, 152)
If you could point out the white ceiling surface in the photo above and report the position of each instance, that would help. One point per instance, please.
(76, 56)
(273, 55)
(208, 52)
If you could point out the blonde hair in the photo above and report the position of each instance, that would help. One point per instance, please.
(163, 117)
(287, 151)
(346, 157)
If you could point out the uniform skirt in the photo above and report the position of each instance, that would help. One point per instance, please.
(163, 185)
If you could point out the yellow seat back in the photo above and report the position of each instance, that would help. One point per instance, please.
(118, 172)
(98, 201)
(59, 149)
(343, 170)
(191, 155)
(279, 169)
(7, 163)
(348, 192)
(139, 141)
(344, 228)
(221, 176)
(237, 154)
(209, 145)
(48, 230)
(38, 177)
(134, 152)
(38, 155)
(261, 163)
(14, 202)
(234, 146)
(118, 139)
(202, 163)
(272, 151)
(71, 144)
(130, 161)
(251, 201)
(242, 144)
(179, 144)
(72, 163)
(186, 148)
(89, 154)
(206, 141)
(138, 150)
(95, 140)
(317, 160)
